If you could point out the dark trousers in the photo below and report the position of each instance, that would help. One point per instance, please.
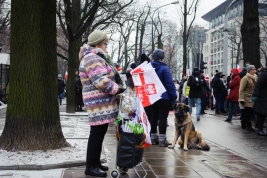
(246, 117)
(203, 102)
(160, 112)
(94, 146)
(218, 97)
(260, 121)
(148, 111)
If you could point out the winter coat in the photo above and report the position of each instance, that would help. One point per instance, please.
(61, 86)
(78, 92)
(246, 88)
(194, 93)
(217, 84)
(99, 86)
(243, 73)
(234, 86)
(165, 77)
(260, 90)
(205, 87)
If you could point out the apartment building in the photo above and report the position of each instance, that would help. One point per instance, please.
(213, 48)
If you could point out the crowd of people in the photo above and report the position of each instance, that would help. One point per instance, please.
(99, 81)
(242, 94)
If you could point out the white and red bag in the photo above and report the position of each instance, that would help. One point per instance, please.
(147, 84)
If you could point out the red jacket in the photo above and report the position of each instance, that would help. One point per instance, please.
(234, 86)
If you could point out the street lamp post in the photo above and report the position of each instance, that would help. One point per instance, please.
(1, 44)
(152, 32)
(225, 39)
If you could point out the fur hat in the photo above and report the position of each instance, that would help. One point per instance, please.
(195, 69)
(250, 67)
(158, 54)
(59, 76)
(96, 37)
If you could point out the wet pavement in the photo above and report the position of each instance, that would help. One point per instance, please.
(234, 152)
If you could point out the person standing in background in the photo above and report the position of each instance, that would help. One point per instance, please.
(61, 88)
(78, 92)
(246, 89)
(205, 89)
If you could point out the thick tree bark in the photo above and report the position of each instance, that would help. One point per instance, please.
(32, 119)
(250, 31)
(184, 38)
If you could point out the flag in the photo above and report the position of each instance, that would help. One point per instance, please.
(147, 84)
(238, 68)
(145, 123)
(66, 75)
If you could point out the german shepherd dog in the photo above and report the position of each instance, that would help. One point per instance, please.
(185, 130)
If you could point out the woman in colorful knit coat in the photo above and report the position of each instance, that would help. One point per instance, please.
(100, 81)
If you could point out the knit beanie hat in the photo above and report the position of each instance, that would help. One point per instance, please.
(59, 76)
(195, 69)
(96, 37)
(158, 54)
(250, 67)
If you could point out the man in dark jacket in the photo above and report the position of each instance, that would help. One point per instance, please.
(160, 109)
(195, 83)
(61, 87)
(181, 98)
(218, 90)
(259, 96)
(243, 73)
(205, 89)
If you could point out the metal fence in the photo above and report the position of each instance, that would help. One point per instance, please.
(4, 81)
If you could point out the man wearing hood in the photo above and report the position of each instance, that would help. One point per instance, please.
(195, 82)
(160, 109)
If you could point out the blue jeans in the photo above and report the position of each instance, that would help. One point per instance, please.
(232, 105)
(60, 97)
(197, 101)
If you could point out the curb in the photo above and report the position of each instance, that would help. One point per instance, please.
(44, 167)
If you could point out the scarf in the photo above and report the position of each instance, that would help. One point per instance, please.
(110, 63)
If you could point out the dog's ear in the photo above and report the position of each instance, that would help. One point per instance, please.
(174, 106)
(186, 108)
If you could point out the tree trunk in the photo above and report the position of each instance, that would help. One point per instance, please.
(32, 118)
(184, 38)
(250, 31)
(160, 44)
(71, 78)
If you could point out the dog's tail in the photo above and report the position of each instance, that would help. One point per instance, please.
(205, 146)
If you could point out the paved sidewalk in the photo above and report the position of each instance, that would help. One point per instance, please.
(158, 161)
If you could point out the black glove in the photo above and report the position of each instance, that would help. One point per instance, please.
(242, 102)
(121, 90)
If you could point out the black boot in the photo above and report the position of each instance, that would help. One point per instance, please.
(103, 168)
(261, 133)
(94, 172)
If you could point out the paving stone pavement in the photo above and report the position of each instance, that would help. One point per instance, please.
(158, 162)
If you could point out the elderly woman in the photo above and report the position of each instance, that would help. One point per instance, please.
(246, 88)
(101, 82)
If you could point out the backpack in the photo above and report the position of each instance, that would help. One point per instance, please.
(196, 82)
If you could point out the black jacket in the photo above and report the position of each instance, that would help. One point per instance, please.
(205, 88)
(194, 93)
(61, 86)
(260, 90)
(217, 84)
(243, 73)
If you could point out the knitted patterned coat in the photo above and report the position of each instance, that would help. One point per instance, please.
(99, 87)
